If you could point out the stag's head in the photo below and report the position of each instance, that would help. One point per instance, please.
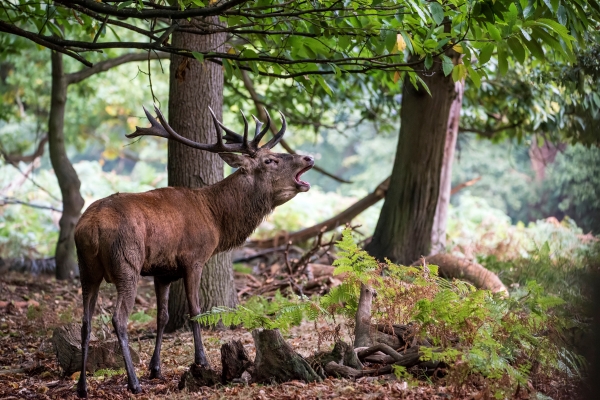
(276, 173)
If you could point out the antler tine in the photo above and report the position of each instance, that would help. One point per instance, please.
(257, 133)
(273, 142)
(162, 129)
(245, 139)
(258, 136)
(155, 130)
(262, 133)
(230, 136)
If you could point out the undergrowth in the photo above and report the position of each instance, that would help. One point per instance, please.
(474, 332)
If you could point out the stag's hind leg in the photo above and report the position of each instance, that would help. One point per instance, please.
(126, 290)
(161, 288)
(89, 290)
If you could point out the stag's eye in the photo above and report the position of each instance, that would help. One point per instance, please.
(268, 161)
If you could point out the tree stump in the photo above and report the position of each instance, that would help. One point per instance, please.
(234, 360)
(198, 376)
(276, 361)
(101, 354)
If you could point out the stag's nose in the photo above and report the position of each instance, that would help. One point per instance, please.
(309, 159)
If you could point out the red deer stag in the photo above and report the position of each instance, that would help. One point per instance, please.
(170, 233)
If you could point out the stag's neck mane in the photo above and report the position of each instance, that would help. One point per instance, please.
(239, 204)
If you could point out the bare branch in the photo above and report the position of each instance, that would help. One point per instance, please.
(104, 8)
(16, 158)
(488, 133)
(41, 40)
(9, 200)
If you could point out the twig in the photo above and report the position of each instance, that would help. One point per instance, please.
(9, 200)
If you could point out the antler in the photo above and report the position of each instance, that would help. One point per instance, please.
(234, 143)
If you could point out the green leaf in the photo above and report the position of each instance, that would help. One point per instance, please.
(596, 99)
(437, 12)
(198, 56)
(502, 61)
(324, 85)
(423, 84)
(552, 4)
(535, 49)
(517, 49)
(558, 28)
(459, 72)
(447, 65)
(428, 61)
(475, 77)
(124, 4)
(408, 41)
(494, 32)
(486, 53)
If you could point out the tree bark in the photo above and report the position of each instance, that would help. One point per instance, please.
(365, 334)
(438, 232)
(234, 361)
(101, 354)
(403, 231)
(66, 261)
(193, 88)
(276, 361)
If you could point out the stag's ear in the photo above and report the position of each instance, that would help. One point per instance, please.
(235, 160)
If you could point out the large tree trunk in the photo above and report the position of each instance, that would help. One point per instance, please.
(438, 232)
(403, 232)
(66, 262)
(193, 88)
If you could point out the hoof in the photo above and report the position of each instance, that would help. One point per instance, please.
(156, 374)
(82, 393)
(135, 389)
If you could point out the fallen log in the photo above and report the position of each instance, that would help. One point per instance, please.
(460, 268)
(343, 371)
(101, 354)
(342, 354)
(276, 361)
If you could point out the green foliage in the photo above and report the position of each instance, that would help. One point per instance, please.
(474, 330)
(108, 373)
(141, 317)
(258, 312)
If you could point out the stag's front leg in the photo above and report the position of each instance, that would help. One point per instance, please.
(192, 285)
(161, 288)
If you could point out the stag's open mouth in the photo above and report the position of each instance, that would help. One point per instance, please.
(303, 185)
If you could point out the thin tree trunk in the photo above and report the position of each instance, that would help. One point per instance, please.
(403, 232)
(193, 88)
(66, 261)
(438, 232)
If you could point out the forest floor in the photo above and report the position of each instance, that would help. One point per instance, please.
(31, 307)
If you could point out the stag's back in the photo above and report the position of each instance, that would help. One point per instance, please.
(147, 233)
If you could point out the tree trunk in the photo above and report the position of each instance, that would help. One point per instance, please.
(438, 232)
(403, 232)
(66, 262)
(193, 88)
